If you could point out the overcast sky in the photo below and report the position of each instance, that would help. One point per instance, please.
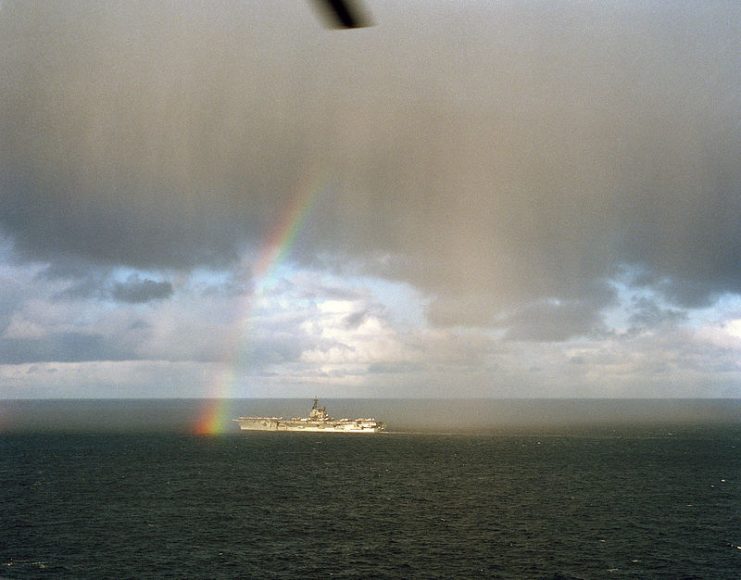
(506, 199)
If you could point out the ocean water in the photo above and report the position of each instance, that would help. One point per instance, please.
(627, 497)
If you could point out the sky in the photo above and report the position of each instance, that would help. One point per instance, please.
(466, 199)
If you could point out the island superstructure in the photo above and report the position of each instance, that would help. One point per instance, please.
(318, 421)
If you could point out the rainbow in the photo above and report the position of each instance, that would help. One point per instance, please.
(216, 414)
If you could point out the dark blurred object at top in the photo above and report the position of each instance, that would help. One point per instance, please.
(343, 13)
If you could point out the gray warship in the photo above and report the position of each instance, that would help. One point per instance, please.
(318, 421)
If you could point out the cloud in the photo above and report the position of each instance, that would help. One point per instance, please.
(12, 295)
(509, 170)
(137, 290)
(647, 313)
(62, 347)
(554, 321)
(121, 379)
(90, 282)
(294, 347)
(507, 162)
(345, 333)
(725, 336)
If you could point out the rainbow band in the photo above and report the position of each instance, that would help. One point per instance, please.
(216, 414)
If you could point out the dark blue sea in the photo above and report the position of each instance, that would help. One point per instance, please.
(591, 489)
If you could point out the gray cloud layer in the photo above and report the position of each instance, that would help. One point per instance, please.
(62, 347)
(137, 290)
(501, 158)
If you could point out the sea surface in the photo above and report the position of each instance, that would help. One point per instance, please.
(86, 493)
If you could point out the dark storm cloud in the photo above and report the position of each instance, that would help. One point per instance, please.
(115, 146)
(137, 290)
(506, 155)
(558, 320)
(554, 321)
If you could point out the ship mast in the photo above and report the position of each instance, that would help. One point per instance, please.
(317, 412)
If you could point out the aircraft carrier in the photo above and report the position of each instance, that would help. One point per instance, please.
(318, 421)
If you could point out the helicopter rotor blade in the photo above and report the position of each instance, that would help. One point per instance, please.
(343, 13)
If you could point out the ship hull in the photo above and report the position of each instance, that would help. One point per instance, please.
(273, 424)
(318, 421)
